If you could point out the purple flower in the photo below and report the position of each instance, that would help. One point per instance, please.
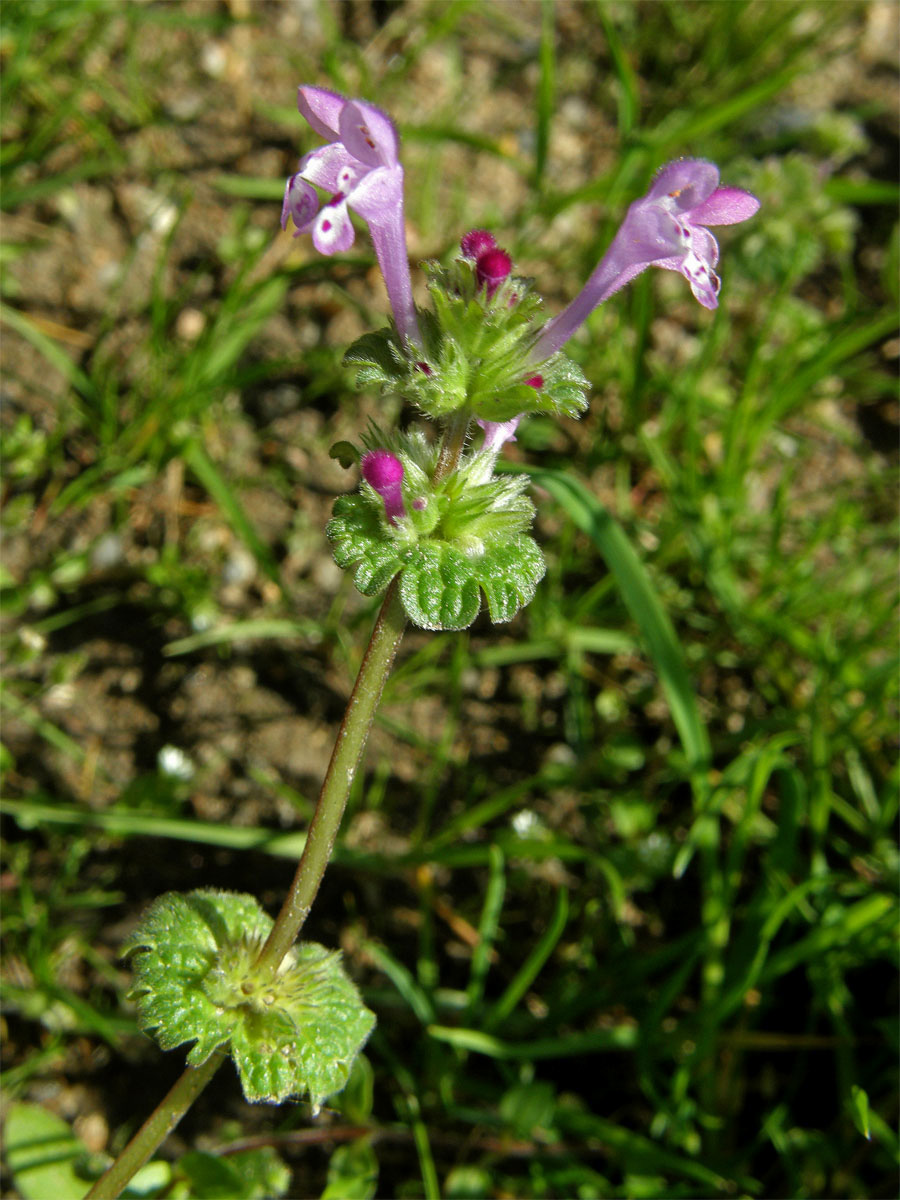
(497, 433)
(359, 167)
(384, 473)
(666, 228)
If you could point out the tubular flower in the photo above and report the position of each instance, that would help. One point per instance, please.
(497, 433)
(360, 168)
(384, 474)
(666, 228)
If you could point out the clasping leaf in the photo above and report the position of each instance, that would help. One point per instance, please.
(194, 959)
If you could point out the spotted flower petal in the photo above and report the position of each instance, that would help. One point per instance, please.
(332, 230)
(368, 134)
(300, 203)
(666, 228)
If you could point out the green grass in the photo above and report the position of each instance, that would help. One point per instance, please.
(619, 879)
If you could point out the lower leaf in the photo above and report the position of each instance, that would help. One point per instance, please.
(195, 981)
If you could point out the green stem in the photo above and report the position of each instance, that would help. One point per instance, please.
(155, 1129)
(351, 740)
(348, 748)
(452, 445)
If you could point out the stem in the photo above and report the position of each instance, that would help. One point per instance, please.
(348, 748)
(452, 445)
(156, 1128)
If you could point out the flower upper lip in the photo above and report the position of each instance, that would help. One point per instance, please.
(365, 130)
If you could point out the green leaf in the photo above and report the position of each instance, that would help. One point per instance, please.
(509, 573)
(352, 1172)
(42, 1152)
(859, 1110)
(359, 539)
(527, 1107)
(459, 535)
(345, 453)
(468, 1183)
(51, 351)
(247, 1175)
(222, 493)
(358, 1095)
(439, 588)
(211, 1177)
(475, 354)
(195, 981)
(532, 965)
(379, 351)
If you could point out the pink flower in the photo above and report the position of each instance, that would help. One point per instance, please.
(360, 168)
(383, 472)
(492, 266)
(476, 243)
(666, 228)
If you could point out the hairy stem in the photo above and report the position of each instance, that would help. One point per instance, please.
(452, 445)
(156, 1128)
(351, 740)
(348, 748)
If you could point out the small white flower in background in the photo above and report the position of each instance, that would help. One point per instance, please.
(175, 763)
(526, 823)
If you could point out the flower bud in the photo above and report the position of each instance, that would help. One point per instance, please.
(384, 473)
(491, 268)
(476, 243)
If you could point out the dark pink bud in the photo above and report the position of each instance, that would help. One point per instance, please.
(491, 268)
(420, 503)
(536, 381)
(476, 243)
(383, 472)
(424, 368)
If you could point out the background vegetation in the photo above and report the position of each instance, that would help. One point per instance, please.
(612, 953)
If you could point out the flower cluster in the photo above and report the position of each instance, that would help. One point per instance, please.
(484, 352)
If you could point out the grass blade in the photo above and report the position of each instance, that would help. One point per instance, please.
(209, 475)
(642, 602)
(487, 928)
(532, 965)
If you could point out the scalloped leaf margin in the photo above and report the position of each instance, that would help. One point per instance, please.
(193, 956)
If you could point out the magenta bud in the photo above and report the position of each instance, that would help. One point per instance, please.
(420, 503)
(491, 268)
(476, 243)
(536, 381)
(384, 473)
(424, 368)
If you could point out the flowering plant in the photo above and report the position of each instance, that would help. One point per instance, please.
(434, 528)
(482, 352)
